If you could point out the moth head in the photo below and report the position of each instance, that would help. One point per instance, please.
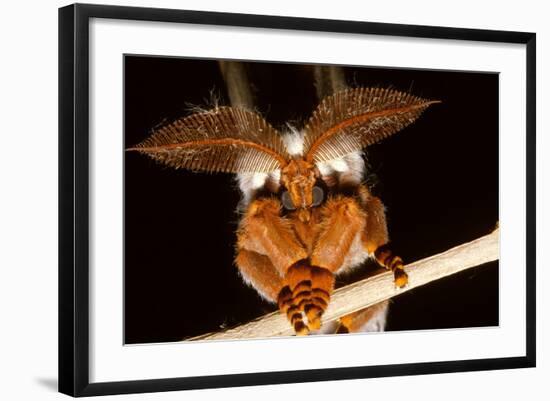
(299, 192)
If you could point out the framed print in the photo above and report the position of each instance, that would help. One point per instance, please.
(250, 199)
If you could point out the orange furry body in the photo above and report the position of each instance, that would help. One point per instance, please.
(299, 259)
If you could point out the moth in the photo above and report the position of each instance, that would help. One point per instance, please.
(307, 215)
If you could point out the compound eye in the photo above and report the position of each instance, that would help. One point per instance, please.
(318, 196)
(287, 201)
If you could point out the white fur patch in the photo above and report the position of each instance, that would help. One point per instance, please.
(350, 167)
(249, 183)
(275, 176)
(294, 142)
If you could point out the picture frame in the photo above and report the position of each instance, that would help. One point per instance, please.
(78, 342)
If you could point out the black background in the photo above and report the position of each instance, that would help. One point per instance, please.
(438, 179)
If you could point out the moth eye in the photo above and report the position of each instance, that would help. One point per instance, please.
(287, 201)
(318, 196)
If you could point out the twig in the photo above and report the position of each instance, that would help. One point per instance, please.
(375, 289)
(237, 84)
(328, 79)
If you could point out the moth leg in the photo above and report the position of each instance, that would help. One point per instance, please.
(297, 287)
(369, 319)
(322, 285)
(342, 220)
(264, 231)
(258, 271)
(305, 296)
(375, 239)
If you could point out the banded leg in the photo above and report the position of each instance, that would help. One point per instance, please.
(310, 284)
(263, 233)
(375, 239)
(305, 296)
(294, 295)
(386, 258)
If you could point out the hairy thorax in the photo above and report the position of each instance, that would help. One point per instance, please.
(308, 233)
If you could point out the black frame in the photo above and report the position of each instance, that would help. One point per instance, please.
(74, 198)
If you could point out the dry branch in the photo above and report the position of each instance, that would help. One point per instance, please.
(375, 289)
(237, 84)
(328, 80)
